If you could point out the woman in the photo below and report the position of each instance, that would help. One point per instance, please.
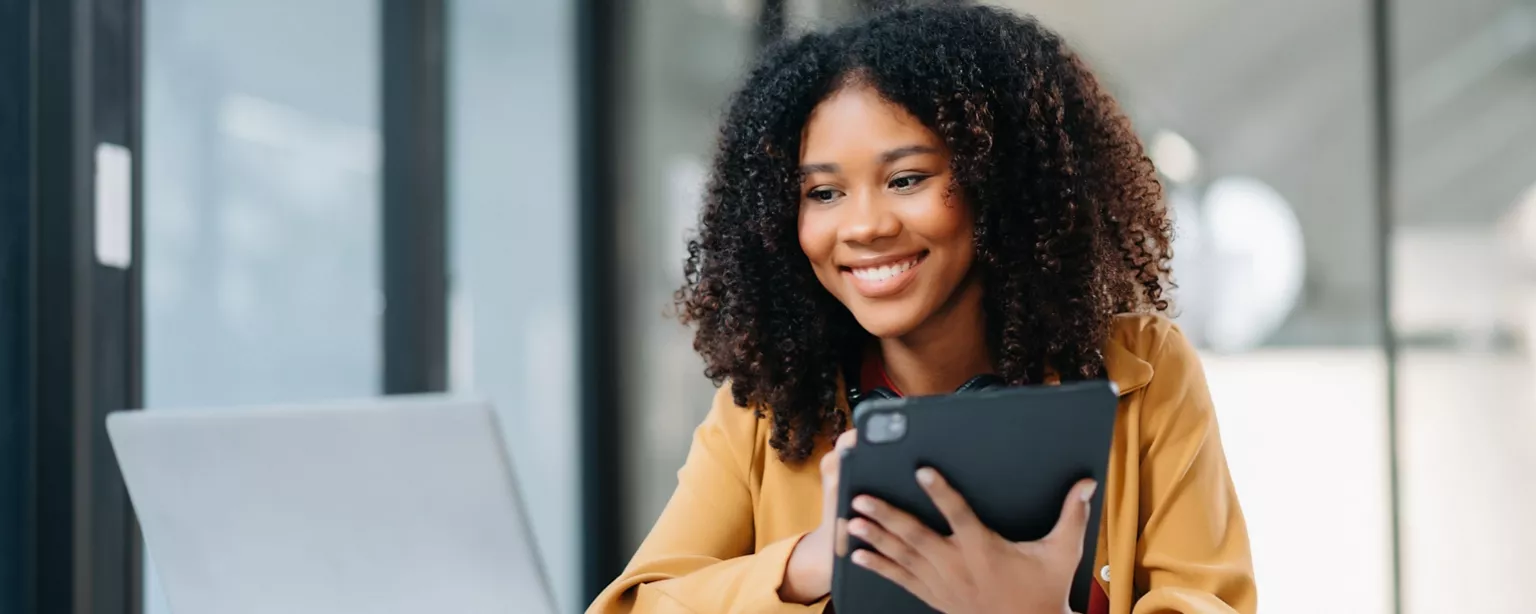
(909, 202)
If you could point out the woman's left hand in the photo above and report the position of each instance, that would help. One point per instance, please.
(973, 570)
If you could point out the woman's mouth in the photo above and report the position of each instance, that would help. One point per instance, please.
(884, 279)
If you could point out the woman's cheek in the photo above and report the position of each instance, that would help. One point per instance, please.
(817, 236)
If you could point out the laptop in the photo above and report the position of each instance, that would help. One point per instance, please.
(404, 504)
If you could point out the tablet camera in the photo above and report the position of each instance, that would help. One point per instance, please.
(886, 427)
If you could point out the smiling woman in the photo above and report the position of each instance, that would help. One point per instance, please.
(881, 224)
(968, 136)
(912, 202)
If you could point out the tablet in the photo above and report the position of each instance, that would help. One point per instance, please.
(1013, 453)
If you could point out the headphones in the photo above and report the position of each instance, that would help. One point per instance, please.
(857, 396)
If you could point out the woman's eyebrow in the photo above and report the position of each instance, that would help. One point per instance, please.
(902, 152)
(885, 158)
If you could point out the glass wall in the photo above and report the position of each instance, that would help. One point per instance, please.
(261, 225)
(512, 205)
(1463, 253)
(687, 58)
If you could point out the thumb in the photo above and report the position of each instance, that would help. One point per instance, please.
(1074, 513)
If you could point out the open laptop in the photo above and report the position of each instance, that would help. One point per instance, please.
(385, 506)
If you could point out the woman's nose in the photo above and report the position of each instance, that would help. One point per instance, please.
(867, 219)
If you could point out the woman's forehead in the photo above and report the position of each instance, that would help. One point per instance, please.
(858, 120)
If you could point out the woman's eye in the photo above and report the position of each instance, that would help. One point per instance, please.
(822, 195)
(907, 183)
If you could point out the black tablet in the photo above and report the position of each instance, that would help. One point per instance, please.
(1013, 453)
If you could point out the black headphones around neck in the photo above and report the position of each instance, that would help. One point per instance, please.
(857, 395)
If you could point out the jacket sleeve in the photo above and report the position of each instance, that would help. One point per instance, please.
(1193, 552)
(699, 557)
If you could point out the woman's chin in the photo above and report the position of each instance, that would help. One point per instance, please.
(886, 325)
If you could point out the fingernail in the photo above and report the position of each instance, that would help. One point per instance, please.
(925, 476)
(857, 528)
(1088, 492)
(863, 505)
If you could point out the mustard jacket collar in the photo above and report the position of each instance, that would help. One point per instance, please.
(1128, 371)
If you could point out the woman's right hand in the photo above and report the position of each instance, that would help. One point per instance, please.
(808, 576)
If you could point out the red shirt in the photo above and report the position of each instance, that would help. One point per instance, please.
(873, 372)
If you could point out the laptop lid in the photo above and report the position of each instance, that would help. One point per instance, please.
(404, 504)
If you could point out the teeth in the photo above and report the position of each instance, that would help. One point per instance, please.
(882, 273)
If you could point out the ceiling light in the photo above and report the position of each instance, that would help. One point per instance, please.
(1174, 156)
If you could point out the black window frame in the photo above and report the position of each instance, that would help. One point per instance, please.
(76, 86)
(413, 69)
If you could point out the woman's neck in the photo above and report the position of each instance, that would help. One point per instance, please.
(945, 352)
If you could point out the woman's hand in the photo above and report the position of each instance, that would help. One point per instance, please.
(974, 570)
(808, 576)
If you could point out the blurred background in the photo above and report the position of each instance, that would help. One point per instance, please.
(230, 202)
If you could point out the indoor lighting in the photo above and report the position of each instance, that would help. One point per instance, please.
(1256, 260)
(1174, 156)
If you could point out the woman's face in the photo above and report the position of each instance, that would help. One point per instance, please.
(883, 231)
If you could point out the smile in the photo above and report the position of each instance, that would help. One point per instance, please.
(886, 278)
(882, 273)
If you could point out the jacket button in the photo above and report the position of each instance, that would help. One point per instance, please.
(1104, 573)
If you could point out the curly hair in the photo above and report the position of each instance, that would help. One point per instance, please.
(1070, 224)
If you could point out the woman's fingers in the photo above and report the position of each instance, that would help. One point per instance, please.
(831, 461)
(1074, 514)
(888, 544)
(846, 440)
(962, 519)
(895, 556)
(891, 571)
(899, 523)
(829, 531)
(831, 466)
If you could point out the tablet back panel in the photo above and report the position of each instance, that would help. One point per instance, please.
(380, 506)
(1013, 453)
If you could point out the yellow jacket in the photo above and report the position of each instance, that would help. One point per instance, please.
(1172, 538)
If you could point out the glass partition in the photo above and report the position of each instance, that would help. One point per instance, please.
(512, 245)
(261, 205)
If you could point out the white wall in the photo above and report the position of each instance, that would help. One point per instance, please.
(1305, 436)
